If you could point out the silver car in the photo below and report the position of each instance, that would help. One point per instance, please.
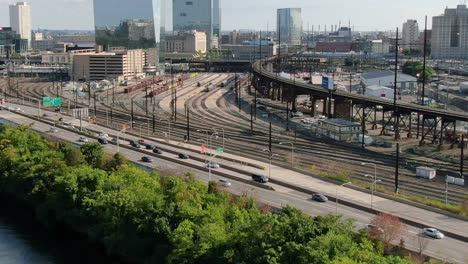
(212, 165)
(432, 232)
(225, 182)
(84, 139)
(53, 130)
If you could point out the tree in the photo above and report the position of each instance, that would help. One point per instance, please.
(389, 229)
(72, 155)
(93, 154)
(415, 68)
(117, 160)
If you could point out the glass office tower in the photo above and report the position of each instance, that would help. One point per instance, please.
(289, 25)
(199, 15)
(136, 24)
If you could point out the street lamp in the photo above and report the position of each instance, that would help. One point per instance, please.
(222, 129)
(271, 157)
(373, 187)
(292, 151)
(336, 195)
(169, 122)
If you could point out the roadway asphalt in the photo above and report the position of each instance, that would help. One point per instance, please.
(447, 249)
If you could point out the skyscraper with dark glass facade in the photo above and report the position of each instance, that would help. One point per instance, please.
(135, 24)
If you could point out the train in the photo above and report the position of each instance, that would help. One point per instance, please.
(159, 80)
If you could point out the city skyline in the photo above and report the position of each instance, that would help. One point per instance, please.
(384, 15)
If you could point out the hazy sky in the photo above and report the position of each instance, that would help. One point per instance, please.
(256, 14)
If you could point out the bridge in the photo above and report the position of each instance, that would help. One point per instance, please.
(435, 124)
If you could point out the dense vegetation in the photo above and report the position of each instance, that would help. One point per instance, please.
(415, 68)
(153, 219)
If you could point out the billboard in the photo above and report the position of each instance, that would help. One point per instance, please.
(327, 83)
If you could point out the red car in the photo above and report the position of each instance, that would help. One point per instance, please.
(141, 141)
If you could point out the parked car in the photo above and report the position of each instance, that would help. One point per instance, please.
(432, 232)
(297, 114)
(146, 159)
(53, 130)
(103, 141)
(213, 165)
(157, 151)
(225, 182)
(84, 139)
(141, 141)
(319, 197)
(183, 156)
(260, 178)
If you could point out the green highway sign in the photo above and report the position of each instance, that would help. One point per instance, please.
(220, 150)
(48, 101)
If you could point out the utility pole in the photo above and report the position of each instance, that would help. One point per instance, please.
(95, 105)
(462, 156)
(146, 99)
(397, 166)
(154, 121)
(424, 62)
(251, 119)
(287, 115)
(131, 113)
(188, 123)
(395, 94)
(269, 140)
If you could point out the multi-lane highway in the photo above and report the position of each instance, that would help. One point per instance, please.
(447, 249)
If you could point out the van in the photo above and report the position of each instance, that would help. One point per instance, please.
(260, 178)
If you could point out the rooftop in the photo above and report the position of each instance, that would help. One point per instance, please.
(340, 122)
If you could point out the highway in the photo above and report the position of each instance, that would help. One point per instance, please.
(447, 249)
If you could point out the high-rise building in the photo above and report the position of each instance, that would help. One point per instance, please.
(199, 15)
(289, 26)
(20, 20)
(136, 24)
(450, 34)
(410, 34)
(189, 42)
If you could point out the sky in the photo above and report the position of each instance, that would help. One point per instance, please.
(365, 15)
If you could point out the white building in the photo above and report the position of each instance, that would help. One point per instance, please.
(289, 25)
(380, 47)
(188, 42)
(20, 20)
(450, 34)
(387, 78)
(410, 35)
(380, 91)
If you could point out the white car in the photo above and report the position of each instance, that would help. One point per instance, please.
(225, 182)
(103, 135)
(432, 232)
(53, 130)
(84, 139)
(297, 114)
(212, 165)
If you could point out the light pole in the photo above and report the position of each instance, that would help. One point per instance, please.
(336, 195)
(169, 122)
(373, 187)
(375, 168)
(292, 151)
(222, 129)
(271, 157)
(124, 127)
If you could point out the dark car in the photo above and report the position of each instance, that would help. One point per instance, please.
(103, 141)
(183, 156)
(319, 197)
(150, 147)
(57, 109)
(141, 141)
(260, 178)
(135, 144)
(146, 159)
(157, 151)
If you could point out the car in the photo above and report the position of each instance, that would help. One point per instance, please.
(212, 165)
(260, 178)
(53, 130)
(157, 151)
(45, 115)
(141, 141)
(103, 135)
(319, 197)
(297, 114)
(183, 156)
(432, 232)
(374, 228)
(225, 182)
(135, 144)
(83, 139)
(150, 147)
(18, 109)
(103, 141)
(57, 109)
(146, 159)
